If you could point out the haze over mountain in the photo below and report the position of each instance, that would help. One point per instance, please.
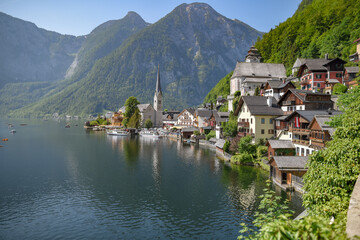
(194, 45)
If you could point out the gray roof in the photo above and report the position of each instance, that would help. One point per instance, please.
(301, 94)
(213, 140)
(299, 62)
(142, 107)
(223, 114)
(189, 129)
(322, 120)
(220, 143)
(203, 112)
(310, 114)
(278, 84)
(281, 118)
(256, 80)
(258, 106)
(352, 69)
(191, 110)
(275, 144)
(158, 84)
(319, 63)
(290, 162)
(259, 70)
(333, 81)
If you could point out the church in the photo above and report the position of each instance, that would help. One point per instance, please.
(147, 111)
(252, 73)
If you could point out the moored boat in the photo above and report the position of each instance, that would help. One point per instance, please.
(149, 134)
(116, 132)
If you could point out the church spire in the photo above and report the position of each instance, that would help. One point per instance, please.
(158, 85)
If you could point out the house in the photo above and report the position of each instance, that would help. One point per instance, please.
(277, 88)
(169, 118)
(187, 132)
(296, 66)
(219, 118)
(350, 74)
(220, 100)
(186, 117)
(147, 112)
(356, 56)
(287, 171)
(117, 118)
(280, 148)
(256, 115)
(202, 117)
(320, 131)
(295, 99)
(298, 124)
(329, 85)
(220, 145)
(314, 73)
(251, 74)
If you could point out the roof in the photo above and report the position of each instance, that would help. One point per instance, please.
(220, 143)
(278, 84)
(256, 80)
(322, 120)
(301, 94)
(252, 69)
(319, 64)
(310, 114)
(281, 118)
(333, 81)
(258, 106)
(203, 112)
(190, 110)
(352, 69)
(142, 107)
(223, 114)
(290, 162)
(213, 140)
(276, 144)
(189, 129)
(299, 62)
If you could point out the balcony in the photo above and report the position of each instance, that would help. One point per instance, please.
(300, 131)
(301, 142)
(243, 124)
(288, 103)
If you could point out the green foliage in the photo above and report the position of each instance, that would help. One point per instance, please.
(242, 158)
(134, 121)
(339, 89)
(227, 146)
(318, 27)
(94, 123)
(196, 133)
(222, 88)
(230, 127)
(261, 152)
(245, 145)
(211, 134)
(332, 172)
(148, 123)
(257, 91)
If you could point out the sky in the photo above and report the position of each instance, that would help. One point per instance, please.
(80, 17)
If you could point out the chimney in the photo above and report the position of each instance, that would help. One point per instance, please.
(326, 56)
(269, 101)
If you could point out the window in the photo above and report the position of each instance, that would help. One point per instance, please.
(338, 75)
(307, 152)
(271, 121)
(262, 120)
(318, 76)
(271, 131)
(262, 131)
(326, 76)
(278, 123)
(251, 120)
(302, 151)
(318, 85)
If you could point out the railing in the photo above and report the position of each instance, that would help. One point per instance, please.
(243, 124)
(302, 142)
(303, 131)
(288, 103)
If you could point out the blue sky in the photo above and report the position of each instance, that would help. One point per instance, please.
(79, 17)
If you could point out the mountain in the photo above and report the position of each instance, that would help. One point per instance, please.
(318, 27)
(193, 45)
(32, 54)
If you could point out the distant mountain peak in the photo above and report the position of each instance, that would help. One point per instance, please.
(132, 14)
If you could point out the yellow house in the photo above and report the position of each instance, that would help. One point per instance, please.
(255, 115)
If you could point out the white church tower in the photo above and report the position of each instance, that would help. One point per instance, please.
(158, 102)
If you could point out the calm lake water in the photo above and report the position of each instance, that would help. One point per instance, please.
(58, 183)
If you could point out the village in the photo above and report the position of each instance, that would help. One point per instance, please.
(288, 115)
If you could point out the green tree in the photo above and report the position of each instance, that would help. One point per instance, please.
(130, 108)
(257, 91)
(230, 127)
(211, 134)
(339, 89)
(148, 123)
(134, 121)
(227, 146)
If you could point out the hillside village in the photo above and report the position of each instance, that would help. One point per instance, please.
(289, 114)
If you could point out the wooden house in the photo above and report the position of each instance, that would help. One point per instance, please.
(287, 171)
(350, 73)
(314, 73)
(277, 88)
(295, 99)
(280, 148)
(320, 131)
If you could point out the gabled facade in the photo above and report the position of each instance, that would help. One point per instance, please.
(315, 73)
(350, 73)
(256, 115)
(320, 131)
(277, 88)
(356, 56)
(147, 112)
(295, 99)
(186, 117)
(280, 148)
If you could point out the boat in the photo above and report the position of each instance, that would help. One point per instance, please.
(13, 131)
(149, 134)
(67, 126)
(116, 132)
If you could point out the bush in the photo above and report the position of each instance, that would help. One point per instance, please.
(196, 133)
(339, 89)
(261, 152)
(94, 123)
(227, 146)
(242, 158)
(148, 123)
(211, 134)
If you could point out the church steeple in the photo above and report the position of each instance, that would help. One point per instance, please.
(158, 85)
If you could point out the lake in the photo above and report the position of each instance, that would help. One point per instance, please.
(70, 183)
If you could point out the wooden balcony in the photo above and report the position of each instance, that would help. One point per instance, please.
(300, 131)
(301, 142)
(288, 103)
(243, 124)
